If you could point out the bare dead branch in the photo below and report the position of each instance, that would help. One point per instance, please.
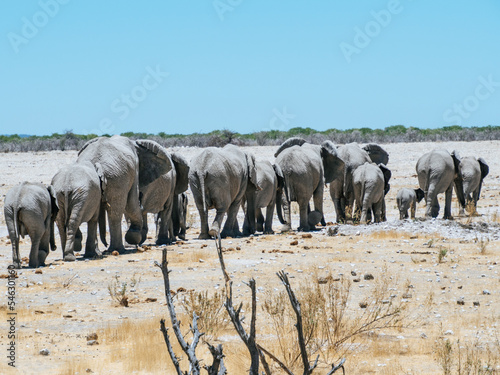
(173, 357)
(275, 359)
(217, 367)
(335, 368)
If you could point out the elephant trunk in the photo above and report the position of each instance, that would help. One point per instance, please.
(102, 223)
(282, 206)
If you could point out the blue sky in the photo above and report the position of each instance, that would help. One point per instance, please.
(246, 65)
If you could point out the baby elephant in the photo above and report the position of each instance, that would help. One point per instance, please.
(31, 208)
(408, 199)
(79, 191)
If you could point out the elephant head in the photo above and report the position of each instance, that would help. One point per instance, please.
(419, 194)
(377, 154)
(252, 170)
(154, 161)
(387, 176)
(484, 172)
(333, 166)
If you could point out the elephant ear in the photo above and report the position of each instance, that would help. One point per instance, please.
(459, 182)
(377, 154)
(279, 175)
(154, 161)
(420, 194)
(54, 206)
(387, 176)
(484, 168)
(102, 180)
(294, 141)
(182, 169)
(332, 164)
(252, 170)
(93, 140)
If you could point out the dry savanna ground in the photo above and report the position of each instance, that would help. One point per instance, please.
(417, 297)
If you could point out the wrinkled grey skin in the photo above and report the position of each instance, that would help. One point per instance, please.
(78, 188)
(270, 180)
(219, 178)
(407, 199)
(179, 215)
(473, 172)
(341, 189)
(30, 209)
(158, 197)
(438, 171)
(127, 166)
(370, 184)
(306, 168)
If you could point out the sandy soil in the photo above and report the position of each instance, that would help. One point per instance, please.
(57, 317)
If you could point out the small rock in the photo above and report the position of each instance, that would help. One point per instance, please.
(44, 352)
(38, 331)
(92, 336)
(423, 336)
(92, 342)
(476, 303)
(356, 280)
(449, 332)
(369, 276)
(332, 231)
(363, 305)
(150, 299)
(486, 292)
(460, 301)
(307, 235)
(201, 261)
(38, 271)
(407, 296)
(293, 243)
(115, 253)
(353, 273)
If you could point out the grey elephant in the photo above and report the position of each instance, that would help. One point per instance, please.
(30, 209)
(370, 184)
(159, 196)
(179, 215)
(128, 166)
(219, 178)
(79, 190)
(271, 181)
(341, 190)
(472, 171)
(407, 199)
(438, 171)
(306, 168)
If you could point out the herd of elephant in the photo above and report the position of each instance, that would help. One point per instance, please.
(116, 176)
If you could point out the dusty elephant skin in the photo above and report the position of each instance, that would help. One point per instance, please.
(306, 168)
(159, 196)
(127, 166)
(438, 172)
(219, 178)
(472, 171)
(30, 208)
(370, 184)
(79, 189)
(407, 199)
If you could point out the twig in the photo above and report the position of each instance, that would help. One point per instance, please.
(335, 368)
(217, 367)
(173, 357)
(275, 359)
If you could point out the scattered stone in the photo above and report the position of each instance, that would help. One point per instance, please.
(363, 305)
(44, 352)
(486, 292)
(203, 246)
(423, 335)
(307, 235)
(461, 301)
(92, 336)
(38, 331)
(368, 276)
(476, 303)
(407, 295)
(293, 243)
(324, 280)
(92, 342)
(150, 299)
(201, 260)
(353, 273)
(38, 271)
(356, 280)
(115, 253)
(449, 332)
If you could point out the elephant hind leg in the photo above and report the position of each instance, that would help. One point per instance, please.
(231, 228)
(447, 206)
(91, 248)
(260, 219)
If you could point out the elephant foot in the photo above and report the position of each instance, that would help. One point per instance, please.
(133, 236)
(303, 229)
(259, 228)
(314, 217)
(214, 230)
(204, 236)
(286, 228)
(448, 217)
(268, 231)
(109, 250)
(233, 234)
(182, 236)
(42, 255)
(69, 257)
(33, 264)
(163, 241)
(16, 265)
(96, 254)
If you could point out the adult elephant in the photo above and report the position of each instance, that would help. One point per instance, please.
(158, 197)
(306, 168)
(473, 171)
(371, 183)
(79, 189)
(270, 180)
(128, 166)
(353, 156)
(438, 171)
(31, 208)
(219, 178)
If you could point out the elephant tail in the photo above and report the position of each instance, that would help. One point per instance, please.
(102, 223)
